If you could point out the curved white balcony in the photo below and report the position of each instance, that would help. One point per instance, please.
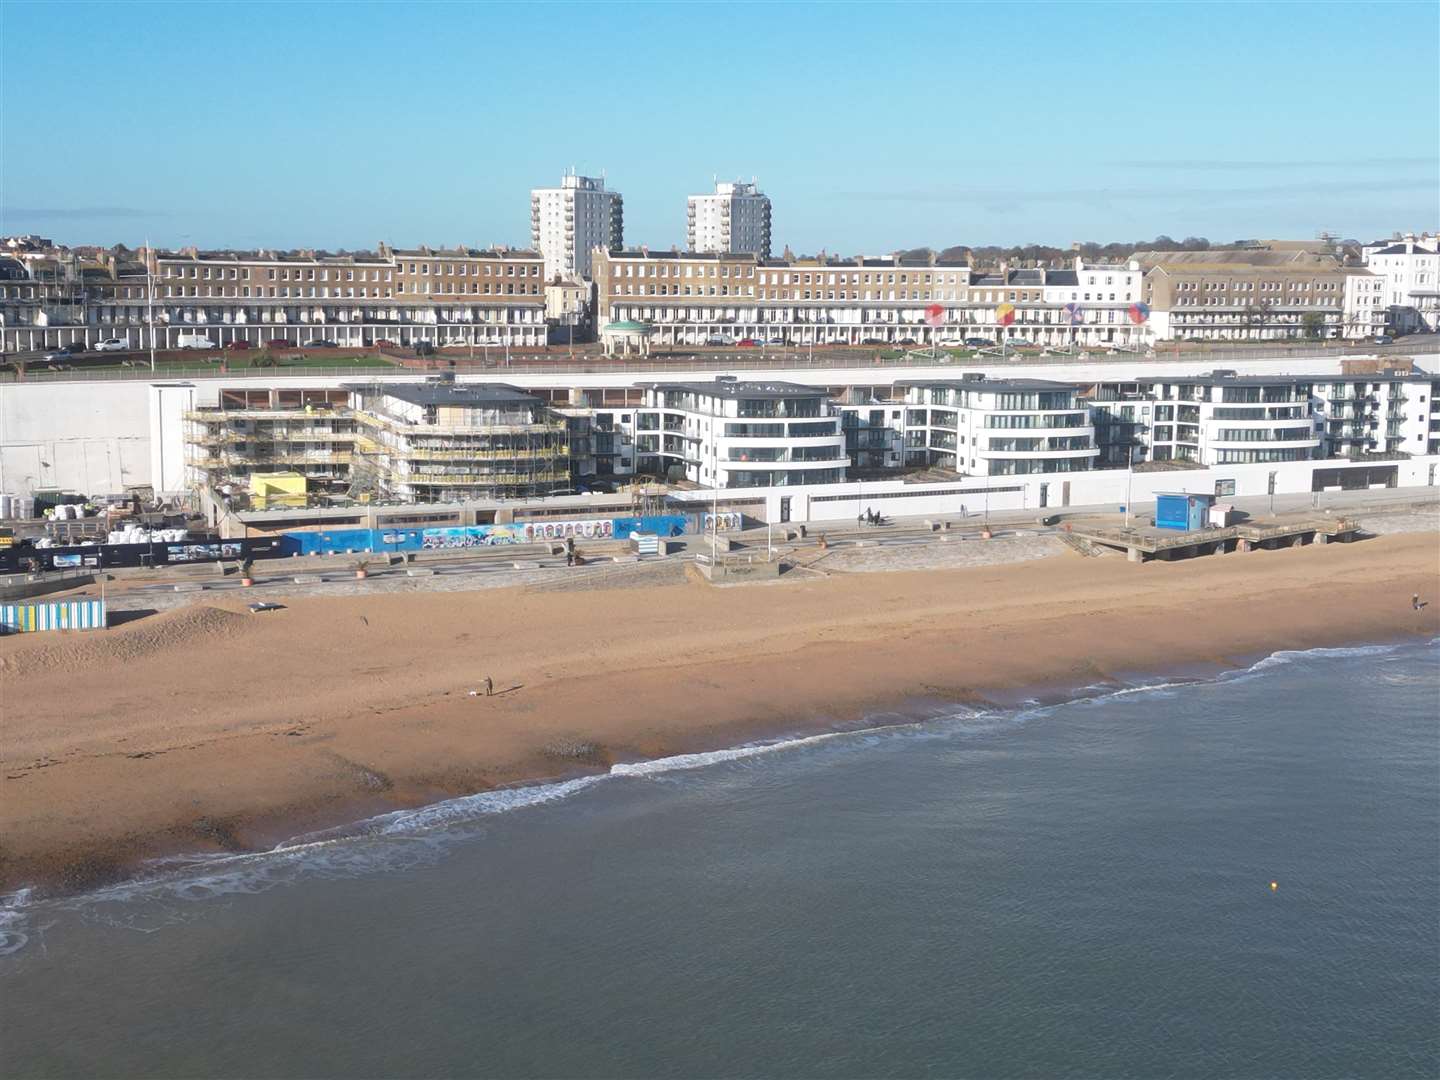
(1089, 452)
(1086, 431)
(757, 442)
(1263, 444)
(841, 462)
(1213, 427)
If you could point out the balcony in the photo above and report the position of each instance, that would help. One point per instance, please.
(788, 466)
(1265, 444)
(1028, 455)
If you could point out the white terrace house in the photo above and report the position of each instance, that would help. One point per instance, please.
(733, 434)
(1000, 427)
(1411, 275)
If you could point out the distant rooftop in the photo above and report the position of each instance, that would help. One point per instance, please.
(978, 381)
(448, 393)
(732, 388)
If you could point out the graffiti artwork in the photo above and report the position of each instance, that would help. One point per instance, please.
(521, 532)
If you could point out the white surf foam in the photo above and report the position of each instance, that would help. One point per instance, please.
(14, 922)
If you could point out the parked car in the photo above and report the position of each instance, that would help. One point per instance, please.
(424, 348)
(193, 341)
(979, 342)
(906, 341)
(321, 343)
(1384, 339)
(279, 343)
(716, 339)
(238, 346)
(555, 492)
(112, 344)
(747, 343)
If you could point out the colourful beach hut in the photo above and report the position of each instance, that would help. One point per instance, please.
(1183, 511)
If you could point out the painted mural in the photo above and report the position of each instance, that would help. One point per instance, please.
(521, 532)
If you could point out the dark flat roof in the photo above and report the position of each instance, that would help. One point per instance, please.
(439, 393)
(993, 384)
(732, 388)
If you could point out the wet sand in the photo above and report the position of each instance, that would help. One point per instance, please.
(210, 728)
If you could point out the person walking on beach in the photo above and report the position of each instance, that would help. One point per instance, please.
(489, 686)
(1416, 603)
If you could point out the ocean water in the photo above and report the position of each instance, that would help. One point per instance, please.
(1081, 889)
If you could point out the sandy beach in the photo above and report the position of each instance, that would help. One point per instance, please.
(207, 727)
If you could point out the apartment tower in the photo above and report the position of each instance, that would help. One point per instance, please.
(568, 222)
(734, 220)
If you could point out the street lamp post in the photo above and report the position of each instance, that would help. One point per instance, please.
(1129, 477)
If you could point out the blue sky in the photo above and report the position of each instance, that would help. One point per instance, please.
(872, 127)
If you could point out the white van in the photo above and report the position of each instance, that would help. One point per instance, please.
(193, 341)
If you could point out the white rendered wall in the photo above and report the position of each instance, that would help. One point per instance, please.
(93, 438)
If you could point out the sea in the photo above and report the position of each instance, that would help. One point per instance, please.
(1226, 874)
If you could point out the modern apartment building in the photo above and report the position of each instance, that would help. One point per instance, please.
(1219, 418)
(735, 434)
(1253, 295)
(874, 434)
(567, 224)
(1410, 270)
(437, 441)
(442, 296)
(1378, 413)
(735, 219)
(1000, 427)
(688, 298)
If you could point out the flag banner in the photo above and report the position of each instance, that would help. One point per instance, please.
(1075, 313)
(1005, 314)
(1138, 313)
(934, 315)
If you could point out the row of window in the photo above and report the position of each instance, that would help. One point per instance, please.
(1225, 301)
(242, 273)
(1250, 286)
(323, 292)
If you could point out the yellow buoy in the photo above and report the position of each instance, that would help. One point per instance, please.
(1274, 885)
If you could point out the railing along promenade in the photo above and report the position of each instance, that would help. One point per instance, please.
(719, 361)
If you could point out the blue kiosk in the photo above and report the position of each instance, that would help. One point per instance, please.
(1183, 511)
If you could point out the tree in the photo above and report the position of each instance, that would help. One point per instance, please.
(1314, 324)
(1256, 315)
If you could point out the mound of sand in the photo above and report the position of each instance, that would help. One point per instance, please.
(69, 651)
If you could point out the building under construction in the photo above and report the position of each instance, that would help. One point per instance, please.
(438, 441)
(310, 432)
